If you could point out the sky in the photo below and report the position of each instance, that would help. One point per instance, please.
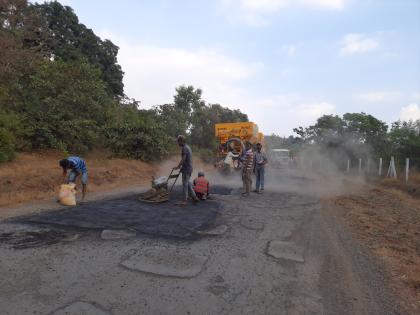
(283, 62)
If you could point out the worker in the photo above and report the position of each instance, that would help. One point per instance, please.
(186, 167)
(259, 168)
(230, 158)
(76, 166)
(247, 167)
(201, 186)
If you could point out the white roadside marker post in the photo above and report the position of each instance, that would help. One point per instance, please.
(348, 166)
(368, 166)
(407, 169)
(380, 167)
(391, 170)
(360, 166)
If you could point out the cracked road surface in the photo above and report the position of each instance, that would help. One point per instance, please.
(277, 253)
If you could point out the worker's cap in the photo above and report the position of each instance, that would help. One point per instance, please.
(200, 174)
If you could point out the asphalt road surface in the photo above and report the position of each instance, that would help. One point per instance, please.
(275, 253)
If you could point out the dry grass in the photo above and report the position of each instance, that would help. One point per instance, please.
(36, 176)
(386, 218)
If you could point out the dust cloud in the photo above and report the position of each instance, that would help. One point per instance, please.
(315, 171)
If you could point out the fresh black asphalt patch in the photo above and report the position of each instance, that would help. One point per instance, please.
(162, 220)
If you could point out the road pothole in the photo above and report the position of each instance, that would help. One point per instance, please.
(285, 250)
(31, 239)
(169, 262)
(79, 308)
(252, 224)
(218, 230)
(117, 234)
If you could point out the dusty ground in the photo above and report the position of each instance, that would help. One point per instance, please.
(37, 176)
(386, 219)
(278, 253)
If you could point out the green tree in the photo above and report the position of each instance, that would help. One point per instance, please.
(368, 130)
(137, 134)
(71, 40)
(66, 105)
(404, 141)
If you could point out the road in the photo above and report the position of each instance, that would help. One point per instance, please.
(276, 253)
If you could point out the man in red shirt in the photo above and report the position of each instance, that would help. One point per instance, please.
(201, 186)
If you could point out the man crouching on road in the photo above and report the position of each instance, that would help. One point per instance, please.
(186, 169)
(201, 186)
(247, 167)
(76, 166)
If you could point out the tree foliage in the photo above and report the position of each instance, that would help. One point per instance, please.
(190, 115)
(70, 40)
(359, 135)
(61, 86)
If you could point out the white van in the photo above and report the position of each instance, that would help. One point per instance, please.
(280, 157)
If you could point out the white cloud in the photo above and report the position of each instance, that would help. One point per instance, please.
(255, 12)
(377, 96)
(153, 72)
(410, 112)
(290, 50)
(66, 2)
(281, 113)
(357, 44)
(274, 5)
(416, 96)
(312, 111)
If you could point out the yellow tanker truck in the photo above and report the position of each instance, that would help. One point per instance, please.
(232, 138)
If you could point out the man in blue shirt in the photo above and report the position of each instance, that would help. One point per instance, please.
(186, 169)
(76, 166)
(260, 160)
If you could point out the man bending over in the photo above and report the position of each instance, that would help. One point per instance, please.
(75, 166)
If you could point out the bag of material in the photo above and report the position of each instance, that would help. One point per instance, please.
(67, 194)
(159, 181)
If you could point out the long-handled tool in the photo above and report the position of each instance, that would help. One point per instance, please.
(172, 175)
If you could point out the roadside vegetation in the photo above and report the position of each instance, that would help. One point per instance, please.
(354, 136)
(61, 88)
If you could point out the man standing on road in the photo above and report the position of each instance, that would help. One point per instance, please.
(259, 168)
(247, 167)
(186, 169)
(76, 166)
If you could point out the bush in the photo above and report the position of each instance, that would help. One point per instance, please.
(7, 145)
(137, 135)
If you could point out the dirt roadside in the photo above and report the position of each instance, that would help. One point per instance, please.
(37, 176)
(385, 218)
